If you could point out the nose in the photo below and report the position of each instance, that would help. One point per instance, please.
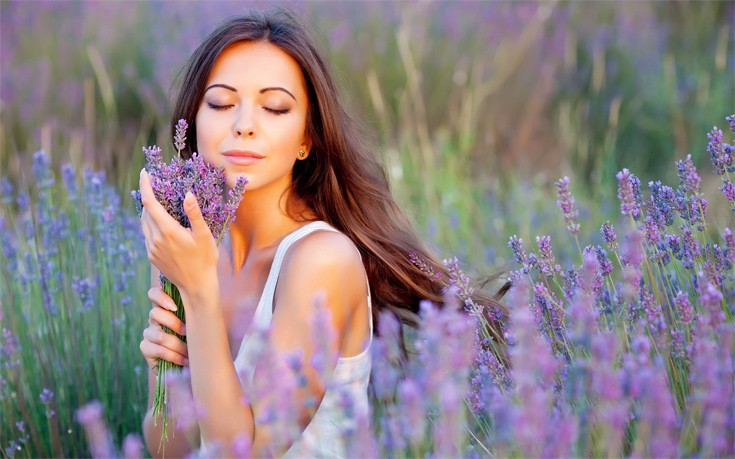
(244, 124)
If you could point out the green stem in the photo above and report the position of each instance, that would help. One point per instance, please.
(160, 401)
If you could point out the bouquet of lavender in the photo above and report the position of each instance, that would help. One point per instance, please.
(170, 183)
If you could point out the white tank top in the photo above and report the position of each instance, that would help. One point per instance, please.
(323, 437)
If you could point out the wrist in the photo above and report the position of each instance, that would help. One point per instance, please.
(201, 295)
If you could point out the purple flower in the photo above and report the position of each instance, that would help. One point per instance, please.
(690, 252)
(90, 416)
(516, 244)
(85, 289)
(132, 447)
(684, 307)
(47, 398)
(566, 204)
(629, 194)
(720, 156)
(662, 204)
(728, 189)
(608, 234)
(424, 267)
(658, 413)
(689, 180)
(171, 182)
(180, 136)
(9, 350)
(547, 263)
(730, 242)
(70, 181)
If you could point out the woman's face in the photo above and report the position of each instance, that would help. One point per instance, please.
(252, 119)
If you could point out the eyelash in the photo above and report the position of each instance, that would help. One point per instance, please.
(270, 110)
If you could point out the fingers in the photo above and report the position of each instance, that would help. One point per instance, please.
(148, 198)
(160, 317)
(159, 298)
(199, 227)
(154, 351)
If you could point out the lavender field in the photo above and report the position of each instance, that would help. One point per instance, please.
(583, 149)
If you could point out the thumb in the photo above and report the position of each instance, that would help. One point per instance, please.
(198, 226)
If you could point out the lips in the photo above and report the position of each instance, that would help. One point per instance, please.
(242, 157)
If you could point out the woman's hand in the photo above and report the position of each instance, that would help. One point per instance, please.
(186, 256)
(157, 344)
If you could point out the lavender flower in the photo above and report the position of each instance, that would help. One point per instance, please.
(47, 398)
(9, 350)
(90, 416)
(662, 204)
(516, 244)
(180, 136)
(720, 156)
(566, 204)
(608, 234)
(547, 263)
(728, 189)
(689, 179)
(629, 193)
(690, 252)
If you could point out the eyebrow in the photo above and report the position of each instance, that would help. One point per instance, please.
(273, 88)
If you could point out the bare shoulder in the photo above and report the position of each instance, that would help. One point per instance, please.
(325, 250)
(326, 262)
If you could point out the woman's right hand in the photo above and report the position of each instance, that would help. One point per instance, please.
(157, 344)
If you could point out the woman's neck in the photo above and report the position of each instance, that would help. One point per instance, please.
(262, 220)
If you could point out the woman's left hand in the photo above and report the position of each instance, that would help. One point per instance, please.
(186, 256)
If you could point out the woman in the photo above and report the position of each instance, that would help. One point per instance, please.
(317, 218)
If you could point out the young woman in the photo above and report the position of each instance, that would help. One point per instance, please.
(317, 218)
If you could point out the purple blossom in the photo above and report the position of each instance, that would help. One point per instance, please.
(658, 413)
(566, 204)
(516, 244)
(662, 204)
(689, 180)
(728, 189)
(47, 398)
(9, 351)
(629, 194)
(412, 407)
(690, 252)
(85, 289)
(424, 267)
(90, 416)
(546, 261)
(180, 135)
(720, 156)
(711, 298)
(608, 234)
(171, 182)
(684, 307)
(70, 181)
(731, 119)
(730, 243)
(132, 447)
(592, 269)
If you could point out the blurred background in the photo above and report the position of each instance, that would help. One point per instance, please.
(476, 107)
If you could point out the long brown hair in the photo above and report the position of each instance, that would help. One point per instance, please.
(341, 180)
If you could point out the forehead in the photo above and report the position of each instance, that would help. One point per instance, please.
(257, 65)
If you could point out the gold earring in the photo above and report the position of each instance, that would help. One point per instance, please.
(302, 154)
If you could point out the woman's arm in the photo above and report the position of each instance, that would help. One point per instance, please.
(324, 264)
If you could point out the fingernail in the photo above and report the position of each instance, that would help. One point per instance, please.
(183, 330)
(186, 362)
(172, 306)
(142, 171)
(188, 195)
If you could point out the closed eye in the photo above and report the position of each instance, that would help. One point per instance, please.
(282, 111)
(218, 107)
